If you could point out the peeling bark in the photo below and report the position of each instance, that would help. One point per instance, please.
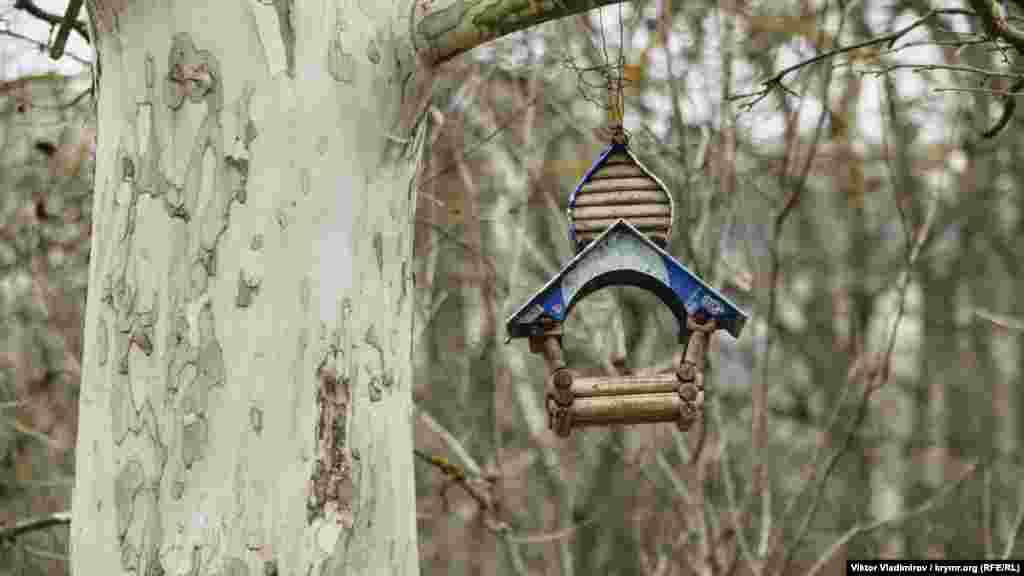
(250, 289)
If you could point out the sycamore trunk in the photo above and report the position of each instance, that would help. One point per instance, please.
(245, 403)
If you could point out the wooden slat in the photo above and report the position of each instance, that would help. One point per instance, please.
(639, 223)
(632, 409)
(621, 197)
(621, 211)
(620, 184)
(656, 236)
(623, 385)
(618, 171)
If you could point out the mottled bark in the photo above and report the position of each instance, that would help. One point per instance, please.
(246, 397)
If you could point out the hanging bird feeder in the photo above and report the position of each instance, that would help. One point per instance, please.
(620, 220)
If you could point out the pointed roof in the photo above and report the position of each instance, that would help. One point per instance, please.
(622, 255)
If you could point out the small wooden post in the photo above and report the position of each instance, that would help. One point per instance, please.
(559, 396)
(691, 369)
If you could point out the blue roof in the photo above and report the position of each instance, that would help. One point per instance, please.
(622, 255)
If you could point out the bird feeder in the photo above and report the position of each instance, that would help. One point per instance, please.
(620, 221)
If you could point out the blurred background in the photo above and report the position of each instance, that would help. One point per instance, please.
(864, 209)
(47, 135)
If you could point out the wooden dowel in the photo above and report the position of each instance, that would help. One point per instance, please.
(622, 211)
(620, 197)
(624, 385)
(620, 184)
(631, 409)
(638, 223)
(618, 171)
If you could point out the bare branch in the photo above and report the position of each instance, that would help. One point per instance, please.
(996, 25)
(730, 489)
(775, 82)
(760, 395)
(864, 528)
(933, 67)
(476, 485)
(31, 8)
(450, 441)
(1009, 106)
(1004, 322)
(70, 19)
(876, 377)
(459, 476)
(991, 91)
(10, 533)
(42, 45)
(552, 536)
(1011, 537)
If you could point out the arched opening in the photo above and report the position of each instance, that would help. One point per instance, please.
(635, 279)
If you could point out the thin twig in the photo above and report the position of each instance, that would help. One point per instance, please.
(70, 19)
(730, 488)
(1011, 537)
(875, 380)
(996, 25)
(986, 510)
(9, 533)
(798, 187)
(864, 528)
(450, 441)
(459, 476)
(1009, 106)
(775, 82)
(44, 554)
(1002, 321)
(513, 119)
(553, 535)
(52, 19)
(990, 91)
(935, 67)
(42, 46)
(478, 487)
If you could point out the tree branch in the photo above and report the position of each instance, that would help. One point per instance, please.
(42, 46)
(52, 19)
(453, 444)
(864, 528)
(474, 483)
(1000, 320)
(70, 19)
(775, 82)
(1011, 537)
(447, 28)
(9, 533)
(996, 25)
(875, 377)
(1009, 106)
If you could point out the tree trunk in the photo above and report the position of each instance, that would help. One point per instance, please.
(245, 396)
(245, 403)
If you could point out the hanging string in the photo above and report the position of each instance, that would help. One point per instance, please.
(620, 91)
(608, 93)
(616, 94)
